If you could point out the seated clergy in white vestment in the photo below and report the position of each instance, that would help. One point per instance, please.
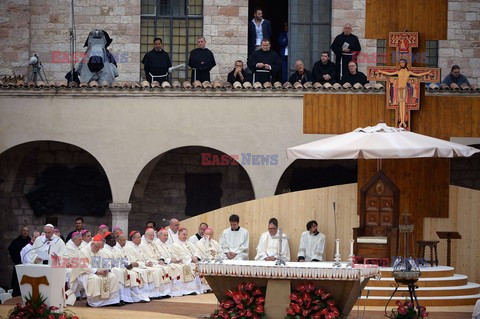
(187, 253)
(157, 278)
(139, 286)
(100, 284)
(201, 229)
(86, 238)
(119, 266)
(72, 253)
(46, 246)
(268, 245)
(183, 281)
(25, 252)
(234, 240)
(312, 244)
(173, 228)
(152, 277)
(207, 247)
(152, 253)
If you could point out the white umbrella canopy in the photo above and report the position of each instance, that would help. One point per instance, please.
(379, 142)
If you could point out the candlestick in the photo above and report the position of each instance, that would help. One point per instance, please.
(337, 258)
(337, 246)
(351, 246)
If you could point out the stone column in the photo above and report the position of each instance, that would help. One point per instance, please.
(120, 213)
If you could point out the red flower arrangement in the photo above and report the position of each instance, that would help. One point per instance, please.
(406, 310)
(37, 309)
(247, 301)
(310, 303)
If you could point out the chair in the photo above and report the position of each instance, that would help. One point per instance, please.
(433, 249)
(377, 236)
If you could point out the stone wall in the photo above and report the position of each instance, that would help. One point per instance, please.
(352, 12)
(463, 44)
(15, 37)
(39, 27)
(225, 28)
(164, 193)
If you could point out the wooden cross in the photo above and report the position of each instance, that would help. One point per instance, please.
(403, 80)
(35, 282)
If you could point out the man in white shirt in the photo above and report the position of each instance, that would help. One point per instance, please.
(268, 245)
(195, 238)
(173, 231)
(234, 240)
(24, 253)
(312, 244)
(46, 246)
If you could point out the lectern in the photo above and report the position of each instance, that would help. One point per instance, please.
(45, 280)
(449, 235)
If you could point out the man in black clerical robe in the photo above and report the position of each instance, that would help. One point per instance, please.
(201, 61)
(353, 76)
(14, 249)
(345, 46)
(300, 75)
(264, 63)
(324, 71)
(237, 74)
(157, 62)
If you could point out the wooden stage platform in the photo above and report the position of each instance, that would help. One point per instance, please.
(201, 306)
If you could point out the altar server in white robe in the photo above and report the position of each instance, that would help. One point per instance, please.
(46, 246)
(268, 245)
(187, 253)
(173, 228)
(101, 285)
(234, 240)
(25, 252)
(312, 244)
(201, 229)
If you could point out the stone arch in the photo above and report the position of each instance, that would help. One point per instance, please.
(162, 188)
(308, 174)
(21, 169)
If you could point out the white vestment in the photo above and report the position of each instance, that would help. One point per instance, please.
(172, 237)
(100, 290)
(268, 247)
(25, 254)
(44, 248)
(194, 239)
(312, 246)
(185, 251)
(235, 241)
(207, 249)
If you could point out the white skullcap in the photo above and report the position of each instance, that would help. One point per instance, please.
(49, 225)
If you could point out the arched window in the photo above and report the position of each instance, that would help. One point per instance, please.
(178, 23)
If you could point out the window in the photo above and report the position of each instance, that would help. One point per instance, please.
(309, 31)
(381, 52)
(178, 23)
(431, 48)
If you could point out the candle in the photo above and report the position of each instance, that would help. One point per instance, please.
(337, 246)
(351, 247)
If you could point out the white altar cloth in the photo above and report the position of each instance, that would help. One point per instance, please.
(292, 270)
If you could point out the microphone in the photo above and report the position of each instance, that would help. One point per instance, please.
(34, 248)
(165, 221)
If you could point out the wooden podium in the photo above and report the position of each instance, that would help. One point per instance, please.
(45, 280)
(449, 235)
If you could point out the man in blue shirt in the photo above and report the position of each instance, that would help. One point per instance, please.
(455, 79)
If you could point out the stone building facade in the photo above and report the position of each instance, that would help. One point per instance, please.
(33, 26)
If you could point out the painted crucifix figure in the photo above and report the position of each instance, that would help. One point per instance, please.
(403, 80)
